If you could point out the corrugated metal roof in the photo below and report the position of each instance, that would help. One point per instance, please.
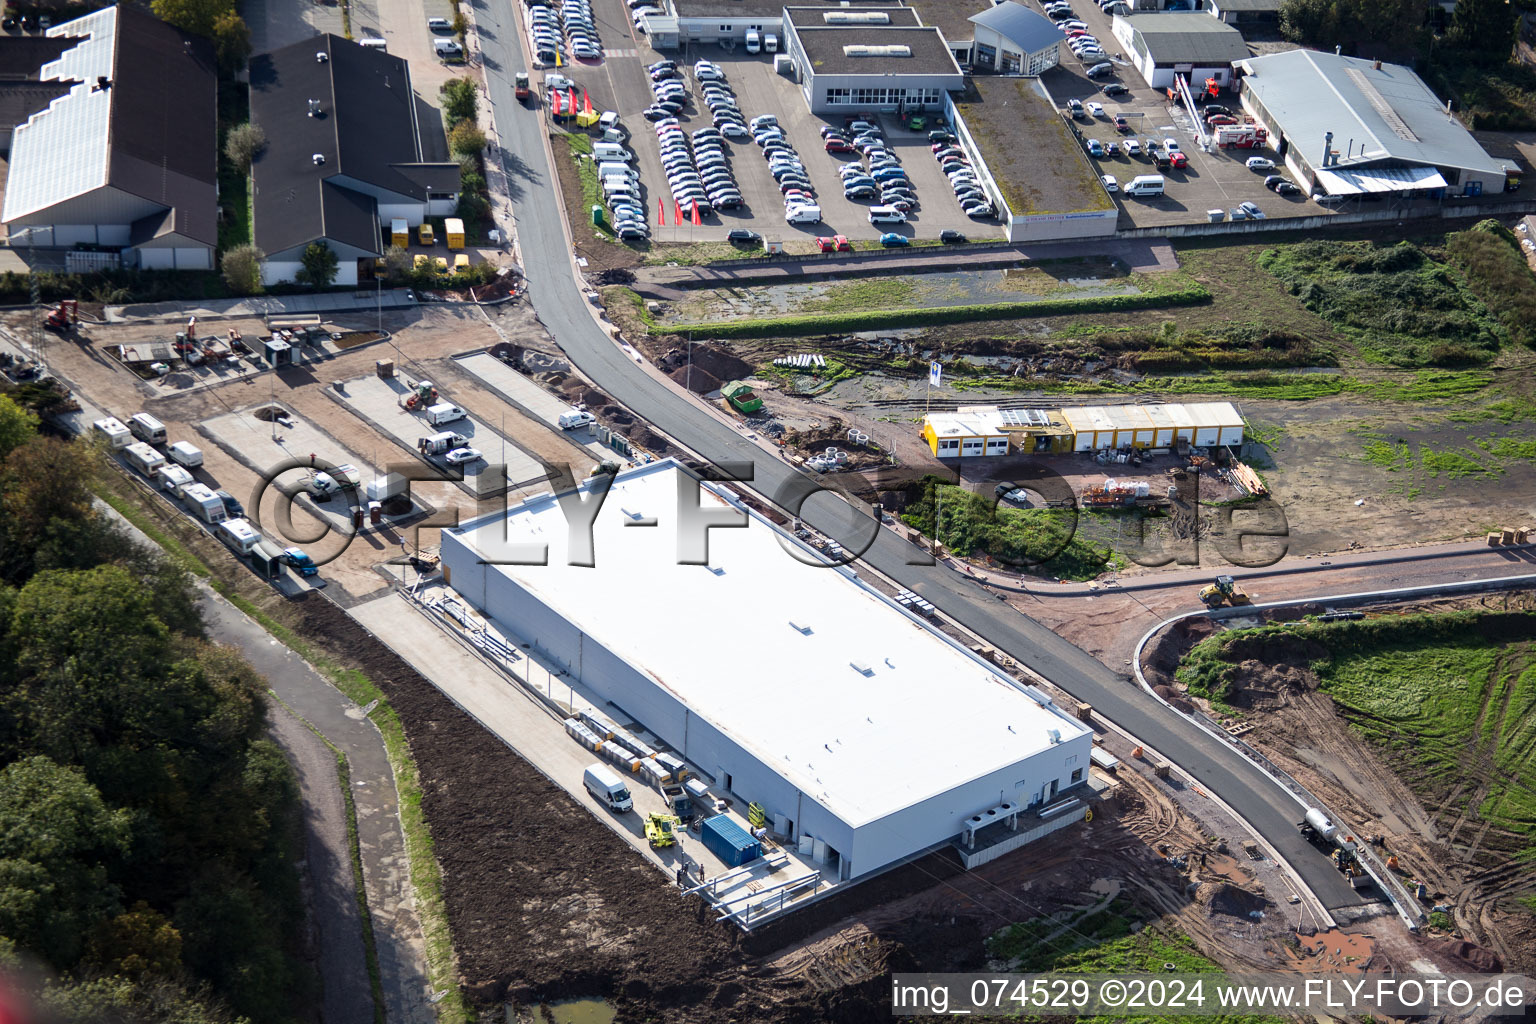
(1188, 38)
(1029, 30)
(1309, 93)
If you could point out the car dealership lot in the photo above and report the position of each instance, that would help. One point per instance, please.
(623, 84)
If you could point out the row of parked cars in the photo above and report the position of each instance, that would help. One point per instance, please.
(1082, 42)
(788, 170)
(581, 29)
(962, 176)
(878, 177)
(548, 36)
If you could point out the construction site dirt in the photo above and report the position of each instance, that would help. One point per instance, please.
(1436, 837)
(545, 903)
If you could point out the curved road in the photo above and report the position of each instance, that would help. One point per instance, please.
(564, 310)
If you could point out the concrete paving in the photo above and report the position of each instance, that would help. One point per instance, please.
(367, 301)
(518, 390)
(377, 402)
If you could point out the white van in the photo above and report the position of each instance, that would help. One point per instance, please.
(445, 412)
(447, 48)
(886, 215)
(605, 786)
(1145, 185)
(754, 43)
(185, 453)
(807, 214)
(371, 44)
(116, 434)
(770, 43)
(574, 417)
(610, 151)
(143, 458)
(146, 428)
(238, 535)
(615, 169)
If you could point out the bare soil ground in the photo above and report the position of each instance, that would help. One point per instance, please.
(1304, 732)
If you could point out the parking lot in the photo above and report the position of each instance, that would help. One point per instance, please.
(1213, 180)
(621, 83)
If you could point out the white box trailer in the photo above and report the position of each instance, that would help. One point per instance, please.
(238, 536)
(185, 453)
(143, 458)
(204, 504)
(146, 428)
(174, 479)
(114, 432)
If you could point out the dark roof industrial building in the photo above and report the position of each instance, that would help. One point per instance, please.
(121, 150)
(343, 153)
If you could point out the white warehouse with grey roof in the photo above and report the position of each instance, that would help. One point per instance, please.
(1381, 127)
(791, 683)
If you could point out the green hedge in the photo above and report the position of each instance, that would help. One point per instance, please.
(842, 323)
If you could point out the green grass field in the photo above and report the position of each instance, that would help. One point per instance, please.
(1049, 542)
(1399, 304)
(1448, 700)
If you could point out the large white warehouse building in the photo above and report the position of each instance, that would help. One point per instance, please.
(794, 685)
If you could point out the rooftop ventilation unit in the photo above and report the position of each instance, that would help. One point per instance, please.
(800, 628)
(861, 668)
(856, 18)
(864, 50)
(321, 56)
(318, 158)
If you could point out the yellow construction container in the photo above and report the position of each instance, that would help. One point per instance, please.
(453, 227)
(400, 233)
(424, 234)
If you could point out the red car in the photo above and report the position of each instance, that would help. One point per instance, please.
(1178, 159)
(841, 243)
(837, 146)
(1218, 119)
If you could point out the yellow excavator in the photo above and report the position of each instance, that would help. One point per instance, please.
(1223, 591)
(661, 829)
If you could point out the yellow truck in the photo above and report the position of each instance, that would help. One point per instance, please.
(400, 233)
(424, 234)
(453, 227)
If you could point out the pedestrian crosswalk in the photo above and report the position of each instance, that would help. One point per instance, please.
(610, 54)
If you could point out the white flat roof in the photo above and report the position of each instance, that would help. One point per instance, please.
(864, 707)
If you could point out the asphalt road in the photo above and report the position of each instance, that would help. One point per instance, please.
(563, 310)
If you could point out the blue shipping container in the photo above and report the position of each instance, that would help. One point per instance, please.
(729, 841)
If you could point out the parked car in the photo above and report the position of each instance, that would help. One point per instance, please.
(1110, 184)
(951, 237)
(1115, 89)
(1260, 163)
(892, 240)
(459, 456)
(1288, 188)
(1252, 210)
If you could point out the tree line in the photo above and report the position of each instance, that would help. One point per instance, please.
(148, 829)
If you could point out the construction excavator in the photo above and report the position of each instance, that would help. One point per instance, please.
(65, 317)
(661, 829)
(1222, 591)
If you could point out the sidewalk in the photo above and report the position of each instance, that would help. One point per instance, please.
(267, 305)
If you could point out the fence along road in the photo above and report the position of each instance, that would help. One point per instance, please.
(565, 312)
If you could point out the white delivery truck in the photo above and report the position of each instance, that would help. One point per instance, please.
(204, 504)
(444, 412)
(146, 428)
(437, 444)
(238, 535)
(605, 785)
(143, 458)
(185, 453)
(385, 487)
(603, 151)
(573, 418)
(174, 479)
(114, 432)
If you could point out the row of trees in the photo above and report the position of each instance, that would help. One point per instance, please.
(147, 828)
(217, 20)
(1486, 28)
